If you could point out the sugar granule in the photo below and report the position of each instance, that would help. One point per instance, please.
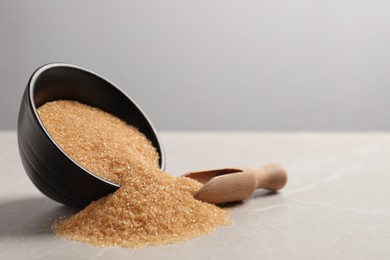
(151, 207)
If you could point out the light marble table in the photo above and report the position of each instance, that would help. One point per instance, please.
(336, 204)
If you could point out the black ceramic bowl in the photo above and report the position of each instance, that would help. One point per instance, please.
(52, 171)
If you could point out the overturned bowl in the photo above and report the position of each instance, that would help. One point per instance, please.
(51, 170)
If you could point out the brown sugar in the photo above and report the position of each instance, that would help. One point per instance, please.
(151, 207)
(98, 141)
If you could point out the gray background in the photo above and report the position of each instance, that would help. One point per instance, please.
(214, 65)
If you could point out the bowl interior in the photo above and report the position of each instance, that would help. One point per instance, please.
(67, 82)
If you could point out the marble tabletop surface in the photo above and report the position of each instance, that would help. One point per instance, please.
(336, 204)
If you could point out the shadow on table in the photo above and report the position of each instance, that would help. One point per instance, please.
(257, 194)
(264, 193)
(30, 216)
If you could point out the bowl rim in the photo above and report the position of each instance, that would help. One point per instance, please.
(31, 87)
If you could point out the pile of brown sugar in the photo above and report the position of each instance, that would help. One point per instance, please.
(150, 207)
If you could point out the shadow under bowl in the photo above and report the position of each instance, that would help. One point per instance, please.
(51, 170)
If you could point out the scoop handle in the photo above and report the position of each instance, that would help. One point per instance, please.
(271, 176)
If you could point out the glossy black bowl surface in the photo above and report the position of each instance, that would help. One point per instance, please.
(52, 171)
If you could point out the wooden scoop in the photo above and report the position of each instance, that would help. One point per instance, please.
(235, 184)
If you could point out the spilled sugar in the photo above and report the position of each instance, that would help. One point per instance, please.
(151, 207)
